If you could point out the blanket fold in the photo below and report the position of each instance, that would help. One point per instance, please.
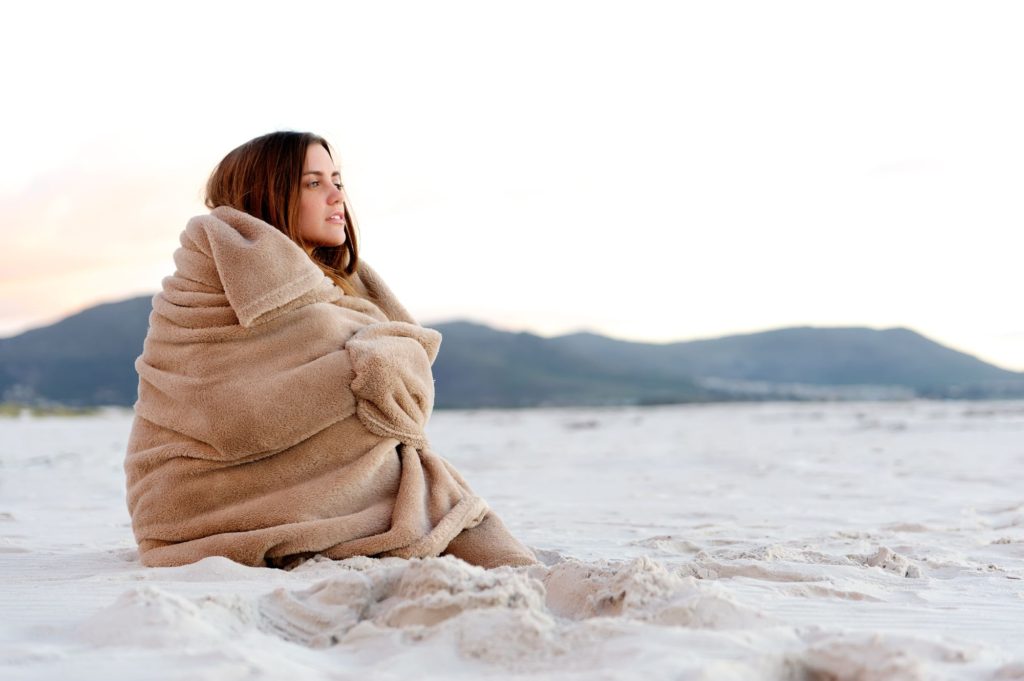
(278, 417)
(392, 379)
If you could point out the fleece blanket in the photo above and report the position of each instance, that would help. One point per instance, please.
(279, 418)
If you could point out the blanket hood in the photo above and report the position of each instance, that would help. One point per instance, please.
(258, 268)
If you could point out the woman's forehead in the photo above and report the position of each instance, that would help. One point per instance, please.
(318, 159)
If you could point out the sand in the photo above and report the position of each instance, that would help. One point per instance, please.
(770, 541)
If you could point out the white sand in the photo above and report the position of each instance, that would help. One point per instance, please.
(775, 541)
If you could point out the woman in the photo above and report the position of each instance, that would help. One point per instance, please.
(283, 389)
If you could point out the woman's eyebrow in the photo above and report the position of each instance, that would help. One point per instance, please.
(317, 172)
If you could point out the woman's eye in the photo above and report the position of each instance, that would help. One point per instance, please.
(313, 184)
(338, 185)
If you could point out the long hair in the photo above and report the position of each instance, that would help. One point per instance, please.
(263, 178)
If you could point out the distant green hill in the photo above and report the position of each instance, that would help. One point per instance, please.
(482, 367)
(805, 355)
(88, 359)
(85, 359)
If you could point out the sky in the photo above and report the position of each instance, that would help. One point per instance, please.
(651, 171)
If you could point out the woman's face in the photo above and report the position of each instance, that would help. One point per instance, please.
(321, 200)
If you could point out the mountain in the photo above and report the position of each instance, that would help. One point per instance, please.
(482, 367)
(856, 356)
(85, 359)
(88, 359)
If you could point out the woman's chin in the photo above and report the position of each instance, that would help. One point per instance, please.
(330, 242)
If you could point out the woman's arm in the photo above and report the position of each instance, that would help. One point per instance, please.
(393, 383)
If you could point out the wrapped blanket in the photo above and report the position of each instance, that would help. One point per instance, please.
(279, 418)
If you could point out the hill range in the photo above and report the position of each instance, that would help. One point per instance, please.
(87, 359)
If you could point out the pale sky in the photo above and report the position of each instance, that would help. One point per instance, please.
(647, 170)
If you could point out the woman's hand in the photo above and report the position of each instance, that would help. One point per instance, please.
(393, 384)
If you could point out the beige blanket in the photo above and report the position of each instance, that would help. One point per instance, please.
(279, 418)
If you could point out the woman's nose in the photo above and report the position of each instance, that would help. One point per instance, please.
(334, 196)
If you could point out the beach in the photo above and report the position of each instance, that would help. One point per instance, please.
(848, 540)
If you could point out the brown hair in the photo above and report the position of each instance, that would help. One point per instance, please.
(262, 178)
